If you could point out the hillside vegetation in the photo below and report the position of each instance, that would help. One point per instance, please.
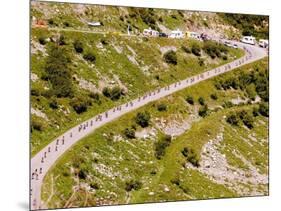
(176, 154)
(76, 75)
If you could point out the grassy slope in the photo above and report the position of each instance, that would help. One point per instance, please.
(134, 159)
(109, 64)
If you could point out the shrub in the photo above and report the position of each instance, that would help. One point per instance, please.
(82, 174)
(186, 49)
(214, 96)
(58, 73)
(143, 119)
(96, 97)
(190, 156)
(35, 92)
(42, 40)
(224, 57)
(132, 185)
(190, 100)
(36, 125)
(196, 50)
(114, 93)
(104, 41)
(106, 92)
(175, 181)
(251, 91)
(255, 111)
(203, 111)
(53, 104)
(80, 104)
(129, 133)
(170, 57)
(161, 145)
(201, 100)
(51, 22)
(78, 46)
(61, 40)
(246, 118)
(201, 62)
(66, 24)
(162, 107)
(227, 104)
(214, 49)
(89, 56)
(232, 119)
(264, 109)
(94, 185)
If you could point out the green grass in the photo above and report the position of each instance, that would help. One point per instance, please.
(109, 63)
(134, 159)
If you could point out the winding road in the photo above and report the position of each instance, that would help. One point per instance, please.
(46, 158)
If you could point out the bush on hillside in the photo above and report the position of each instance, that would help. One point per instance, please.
(132, 185)
(196, 50)
(57, 71)
(264, 109)
(161, 145)
(112, 93)
(203, 111)
(232, 119)
(78, 46)
(80, 104)
(191, 156)
(201, 101)
(190, 100)
(170, 57)
(162, 107)
(143, 119)
(129, 133)
(89, 56)
(42, 40)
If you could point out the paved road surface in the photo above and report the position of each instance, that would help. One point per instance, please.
(43, 160)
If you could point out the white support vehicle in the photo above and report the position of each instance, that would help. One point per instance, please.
(176, 34)
(94, 24)
(263, 43)
(249, 40)
(193, 35)
(150, 33)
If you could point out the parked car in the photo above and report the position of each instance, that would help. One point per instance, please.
(150, 33)
(161, 34)
(176, 34)
(249, 40)
(263, 43)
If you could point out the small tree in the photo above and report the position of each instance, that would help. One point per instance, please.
(190, 100)
(162, 107)
(42, 40)
(196, 50)
(78, 46)
(232, 119)
(132, 185)
(201, 100)
(203, 111)
(214, 96)
(89, 56)
(186, 49)
(143, 119)
(170, 57)
(264, 109)
(129, 133)
(79, 104)
(53, 104)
